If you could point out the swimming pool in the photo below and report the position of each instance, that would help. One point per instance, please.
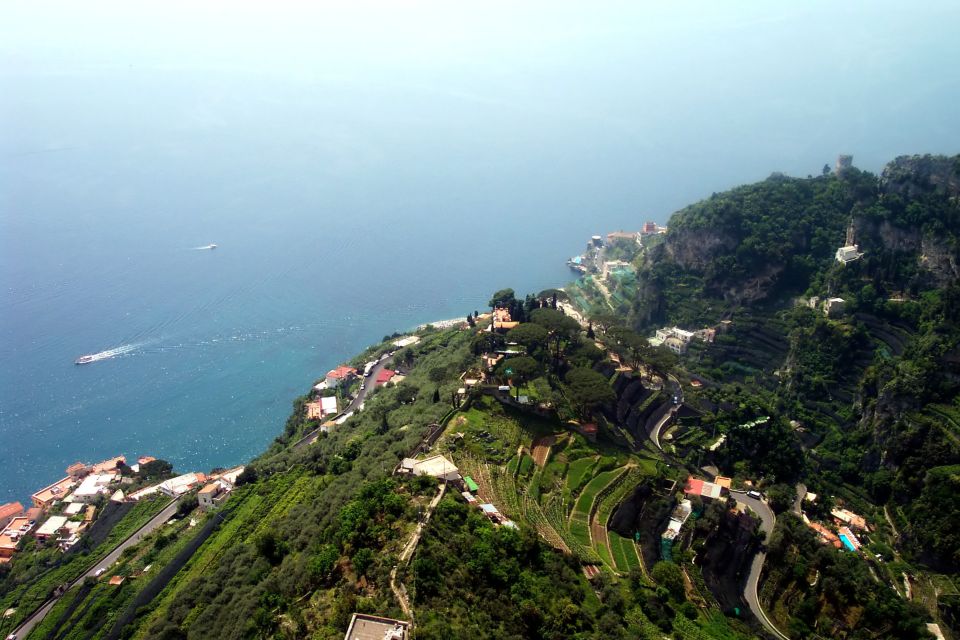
(846, 542)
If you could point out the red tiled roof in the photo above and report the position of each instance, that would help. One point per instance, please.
(10, 510)
(385, 375)
(693, 486)
(342, 372)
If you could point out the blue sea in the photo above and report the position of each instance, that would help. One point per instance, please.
(370, 167)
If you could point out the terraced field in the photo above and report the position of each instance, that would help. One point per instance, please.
(556, 483)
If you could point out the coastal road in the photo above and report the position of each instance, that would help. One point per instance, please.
(157, 521)
(368, 383)
(767, 521)
(676, 391)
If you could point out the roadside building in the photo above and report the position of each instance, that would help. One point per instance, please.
(321, 408)
(53, 493)
(723, 482)
(702, 488)
(176, 487)
(340, 375)
(385, 376)
(228, 478)
(211, 496)
(367, 627)
(116, 581)
(471, 484)
(406, 342)
(73, 508)
(8, 512)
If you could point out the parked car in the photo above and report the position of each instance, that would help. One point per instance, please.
(99, 572)
(756, 495)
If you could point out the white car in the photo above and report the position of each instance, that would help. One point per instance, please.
(99, 572)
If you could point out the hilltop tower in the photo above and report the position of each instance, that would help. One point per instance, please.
(844, 162)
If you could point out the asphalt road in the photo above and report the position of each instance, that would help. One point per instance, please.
(764, 512)
(676, 391)
(158, 520)
(767, 522)
(369, 383)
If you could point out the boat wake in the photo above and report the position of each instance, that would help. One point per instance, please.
(106, 355)
(206, 247)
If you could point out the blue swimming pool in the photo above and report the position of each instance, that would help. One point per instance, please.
(846, 542)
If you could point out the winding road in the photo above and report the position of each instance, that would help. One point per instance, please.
(369, 383)
(767, 521)
(157, 521)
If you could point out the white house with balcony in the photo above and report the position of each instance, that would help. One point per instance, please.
(848, 253)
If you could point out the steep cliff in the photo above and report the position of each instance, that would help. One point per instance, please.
(779, 237)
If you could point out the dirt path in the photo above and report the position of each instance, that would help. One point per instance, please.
(541, 449)
(399, 589)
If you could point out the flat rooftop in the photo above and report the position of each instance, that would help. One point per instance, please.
(366, 627)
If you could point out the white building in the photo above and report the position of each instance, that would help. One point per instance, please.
(176, 487)
(336, 377)
(50, 528)
(848, 253)
(674, 338)
(436, 466)
(406, 342)
(93, 486)
(677, 518)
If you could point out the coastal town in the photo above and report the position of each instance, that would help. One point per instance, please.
(60, 513)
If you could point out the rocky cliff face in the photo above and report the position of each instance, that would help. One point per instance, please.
(695, 248)
(913, 176)
(921, 179)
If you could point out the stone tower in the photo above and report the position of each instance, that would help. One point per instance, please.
(843, 163)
